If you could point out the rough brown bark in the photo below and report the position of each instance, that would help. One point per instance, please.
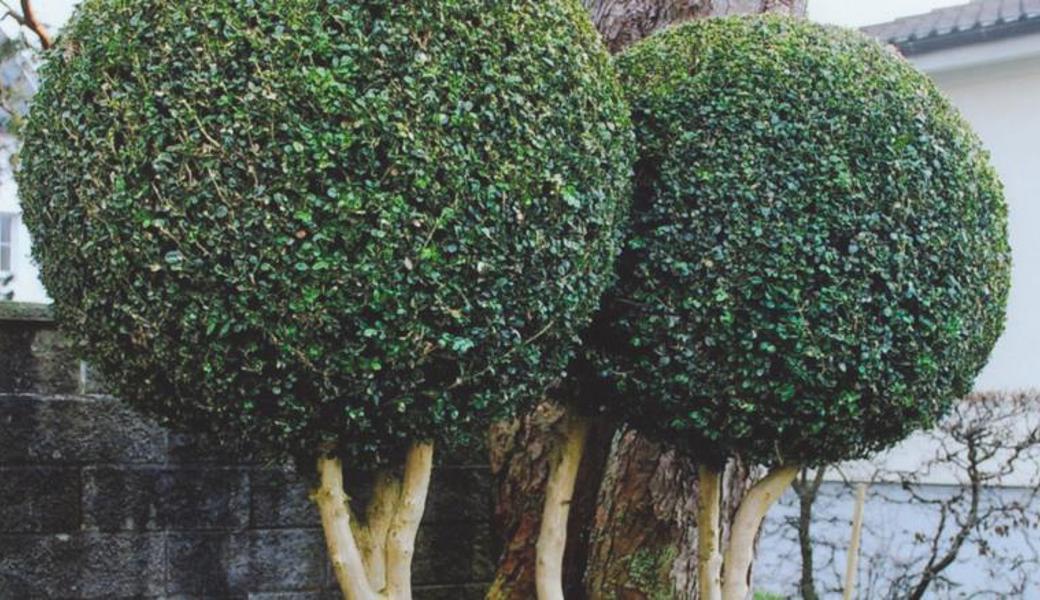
(520, 452)
(641, 539)
(644, 537)
(624, 22)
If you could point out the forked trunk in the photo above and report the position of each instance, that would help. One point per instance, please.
(337, 522)
(372, 559)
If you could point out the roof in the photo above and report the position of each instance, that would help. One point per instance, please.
(976, 21)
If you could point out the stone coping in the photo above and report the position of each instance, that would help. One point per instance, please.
(25, 312)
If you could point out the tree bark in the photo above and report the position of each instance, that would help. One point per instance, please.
(642, 538)
(404, 525)
(852, 563)
(644, 542)
(340, 539)
(625, 22)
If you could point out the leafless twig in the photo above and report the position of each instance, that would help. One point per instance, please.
(26, 18)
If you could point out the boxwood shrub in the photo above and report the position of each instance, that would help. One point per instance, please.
(325, 223)
(819, 260)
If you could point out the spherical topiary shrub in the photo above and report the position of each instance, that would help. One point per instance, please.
(327, 225)
(819, 262)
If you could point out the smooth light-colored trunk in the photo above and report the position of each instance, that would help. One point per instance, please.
(552, 537)
(728, 577)
(386, 491)
(336, 519)
(852, 561)
(372, 560)
(404, 526)
(740, 551)
(709, 534)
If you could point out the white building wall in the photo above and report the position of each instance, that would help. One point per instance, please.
(999, 93)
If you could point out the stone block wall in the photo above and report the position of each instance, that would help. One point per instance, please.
(98, 502)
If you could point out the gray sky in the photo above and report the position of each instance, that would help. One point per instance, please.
(852, 13)
(857, 13)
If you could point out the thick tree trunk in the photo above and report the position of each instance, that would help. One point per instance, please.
(624, 22)
(642, 541)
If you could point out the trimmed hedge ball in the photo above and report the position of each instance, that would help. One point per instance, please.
(819, 262)
(332, 225)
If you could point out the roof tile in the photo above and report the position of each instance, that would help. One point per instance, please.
(977, 16)
(989, 13)
(1011, 10)
(969, 16)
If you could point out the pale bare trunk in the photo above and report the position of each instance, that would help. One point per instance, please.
(552, 537)
(709, 534)
(372, 560)
(740, 551)
(380, 512)
(400, 542)
(852, 561)
(336, 519)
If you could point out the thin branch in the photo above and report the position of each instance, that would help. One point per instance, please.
(27, 19)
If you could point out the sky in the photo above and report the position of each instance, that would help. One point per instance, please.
(857, 13)
(851, 13)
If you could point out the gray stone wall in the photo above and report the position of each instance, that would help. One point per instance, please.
(98, 502)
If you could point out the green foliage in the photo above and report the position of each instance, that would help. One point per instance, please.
(819, 262)
(651, 573)
(327, 223)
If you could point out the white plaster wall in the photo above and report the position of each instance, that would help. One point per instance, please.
(1002, 102)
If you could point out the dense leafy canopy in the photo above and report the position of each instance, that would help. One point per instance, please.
(819, 262)
(315, 223)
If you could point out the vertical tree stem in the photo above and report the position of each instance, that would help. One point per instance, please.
(852, 562)
(339, 538)
(736, 584)
(552, 537)
(404, 525)
(709, 532)
(378, 515)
